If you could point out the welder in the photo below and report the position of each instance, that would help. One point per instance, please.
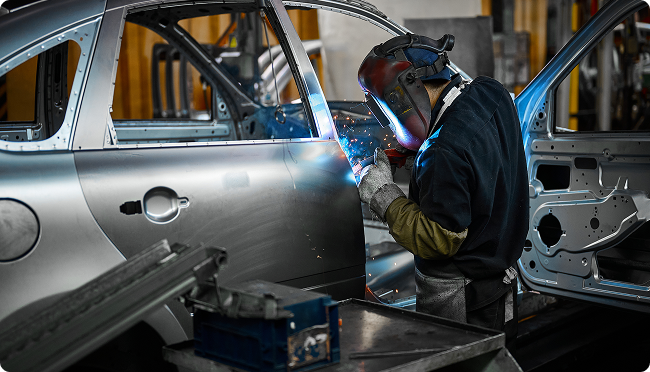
(466, 216)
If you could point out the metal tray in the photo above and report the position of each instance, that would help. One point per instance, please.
(376, 337)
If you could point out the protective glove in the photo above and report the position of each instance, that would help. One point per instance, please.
(376, 187)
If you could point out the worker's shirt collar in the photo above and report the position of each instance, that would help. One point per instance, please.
(455, 81)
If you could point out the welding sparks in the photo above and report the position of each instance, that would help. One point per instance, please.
(359, 142)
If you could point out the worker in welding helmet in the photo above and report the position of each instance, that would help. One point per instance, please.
(466, 216)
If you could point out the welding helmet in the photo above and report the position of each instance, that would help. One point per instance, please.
(392, 76)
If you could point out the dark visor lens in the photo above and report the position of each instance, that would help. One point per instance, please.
(376, 110)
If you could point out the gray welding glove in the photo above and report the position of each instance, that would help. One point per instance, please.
(376, 187)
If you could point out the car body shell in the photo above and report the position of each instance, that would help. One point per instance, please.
(287, 210)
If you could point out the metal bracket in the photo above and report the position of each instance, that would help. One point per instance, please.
(88, 317)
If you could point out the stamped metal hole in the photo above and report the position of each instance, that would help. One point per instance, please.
(550, 230)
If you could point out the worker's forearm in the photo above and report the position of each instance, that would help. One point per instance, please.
(418, 234)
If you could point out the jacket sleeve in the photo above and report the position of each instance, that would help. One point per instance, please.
(435, 223)
(420, 235)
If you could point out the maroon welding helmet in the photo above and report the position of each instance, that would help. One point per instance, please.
(391, 77)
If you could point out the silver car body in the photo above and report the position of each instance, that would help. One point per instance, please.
(287, 211)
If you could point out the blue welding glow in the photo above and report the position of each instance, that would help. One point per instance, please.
(421, 158)
(359, 133)
(353, 178)
(437, 133)
(394, 122)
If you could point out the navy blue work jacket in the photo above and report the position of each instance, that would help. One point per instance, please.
(471, 173)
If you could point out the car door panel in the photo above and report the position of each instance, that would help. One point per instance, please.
(588, 191)
(270, 205)
(286, 210)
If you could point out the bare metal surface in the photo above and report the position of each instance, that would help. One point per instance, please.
(84, 35)
(265, 203)
(36, 327)
(94, 110)
(532, 100)
(602, 205)
(368, 328)
(61, 260)
(40, 21)
(19, 229)
(112, 4)
(604, 97)
(390, 354)
(306, 78)
(356, 8)
(269, 202)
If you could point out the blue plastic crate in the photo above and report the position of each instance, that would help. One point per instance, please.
(306, 340)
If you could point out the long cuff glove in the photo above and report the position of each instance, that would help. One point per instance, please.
(377, 188)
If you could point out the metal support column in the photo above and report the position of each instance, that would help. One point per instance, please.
(564, 33)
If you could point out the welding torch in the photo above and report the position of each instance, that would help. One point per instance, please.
(396, 158)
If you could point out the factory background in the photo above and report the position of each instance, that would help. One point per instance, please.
(164, 152)
(509, 40)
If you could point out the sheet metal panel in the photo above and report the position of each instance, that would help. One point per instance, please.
(306, 77)
(71, 248)
(94, 111)
(18, 31)
(601, 205)
(275, 205)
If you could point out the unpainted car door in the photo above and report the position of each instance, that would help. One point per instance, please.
(286, 209)
(589, 206)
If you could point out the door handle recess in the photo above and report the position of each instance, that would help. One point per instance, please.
(162, 205)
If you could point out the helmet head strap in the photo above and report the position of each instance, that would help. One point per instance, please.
(397, 45)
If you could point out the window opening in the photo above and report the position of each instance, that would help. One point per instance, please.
(34, 95)
(344, 41)
(165, 92)
(610, 89)
(155, 81)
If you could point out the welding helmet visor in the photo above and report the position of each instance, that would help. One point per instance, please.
(394, 90)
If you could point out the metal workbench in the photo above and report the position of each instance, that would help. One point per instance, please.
(377, 337)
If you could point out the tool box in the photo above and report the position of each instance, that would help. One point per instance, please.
(262, 326)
